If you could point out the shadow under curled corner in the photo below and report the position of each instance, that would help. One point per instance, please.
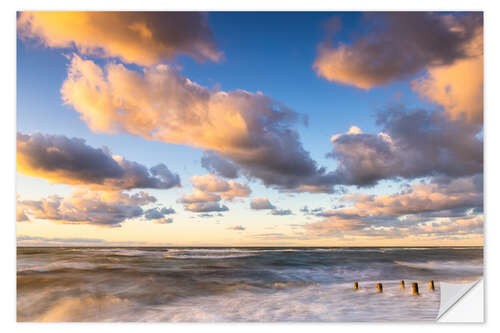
(462, 302)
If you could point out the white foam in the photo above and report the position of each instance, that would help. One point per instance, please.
(471, 266)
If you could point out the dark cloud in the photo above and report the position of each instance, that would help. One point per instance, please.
(281, 212)
(157, 213)
(164, 178)
(108, 209)
(152, 214)
(411, 144)
(314, 211)
(60, 159)
(397, 45)
(219, 165)
(167, 211)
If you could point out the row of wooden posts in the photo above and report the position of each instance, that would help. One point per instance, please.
(414, 287)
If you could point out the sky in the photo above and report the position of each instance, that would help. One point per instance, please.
(249, 129)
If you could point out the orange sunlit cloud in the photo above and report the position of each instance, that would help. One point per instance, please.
(228, 190)
(458, 87)
(100, 208)
(209, 190)
(250, 129)
(144, 38)
(407, 211)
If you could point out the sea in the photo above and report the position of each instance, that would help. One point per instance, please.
(236, 284)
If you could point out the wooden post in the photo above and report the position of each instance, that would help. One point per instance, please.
(379, 287)
(402, 284)
(356, 287)
(431, 285)
(414, 289)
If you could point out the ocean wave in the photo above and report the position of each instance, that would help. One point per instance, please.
(60, 265)
(235, 252)
(207, 254)
(125, 252)
(470, 266)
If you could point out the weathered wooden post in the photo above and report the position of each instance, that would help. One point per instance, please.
(431, 285)
(402, 284)
(414, 289)
(356, 286)
(379, 287)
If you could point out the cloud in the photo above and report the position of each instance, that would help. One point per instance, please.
(251, 130)
(461, 192)
(167, 211)
(281, 212)
(446, 86)
(209, 190)
(203, 207)
(143, 38)
(100, 208)
(219, 165)
(210, 183)
(60, 159)
(261, 203)
(334, 226)
(412, 144)
(21, 214)
(396, 46)
(163, 220)
(157, 215)
(264, 203)
(162, 172)
(307, 211)
(236, 227)
(199, 196)
(228, 190)
(209, 215)
(412, 210)
(444, 48)
(464, 226)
